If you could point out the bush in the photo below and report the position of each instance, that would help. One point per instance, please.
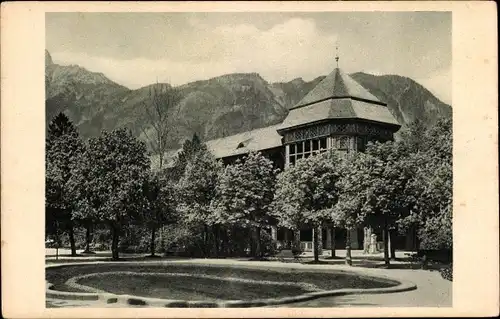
(436, 232)
(268, 247)
(239, 241)
(187, 238)
(136, 239)
(447, 272)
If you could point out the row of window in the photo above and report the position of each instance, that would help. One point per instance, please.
(304, 149)
(308, 146)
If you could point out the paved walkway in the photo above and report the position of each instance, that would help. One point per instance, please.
(432, 290)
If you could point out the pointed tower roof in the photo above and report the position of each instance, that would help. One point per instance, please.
(338, 96)
(337, 84)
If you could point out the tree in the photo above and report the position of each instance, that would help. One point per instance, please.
(189, 150)
(388, 175)
(196, 190)
(348, 211)
(373, 190)
(110, 181)
(84, 213)
(244, 194)
(413, 136)
(306, 194)
(159, 205)
(432, 187)
(62, 148)
(163, 99)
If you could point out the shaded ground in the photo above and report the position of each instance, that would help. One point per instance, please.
(327, 279)
(189, 288)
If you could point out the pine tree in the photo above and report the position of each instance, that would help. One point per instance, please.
(189, 150)
(196, 190)
(62, 148)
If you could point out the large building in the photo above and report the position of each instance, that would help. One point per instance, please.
(337, 114)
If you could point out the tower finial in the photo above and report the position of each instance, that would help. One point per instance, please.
(337, 53)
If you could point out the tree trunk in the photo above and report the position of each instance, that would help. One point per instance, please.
(216, 230)
(385, 238)
(296, 239)
(227, 234)
(333, 241)
(160, 150)
(153, 239)
(162, 241)
(223, 235)
(392, 247)
(114, 242)
(71, 235)
(258, 250)
(348, 259)
(205, 241)
(253, 246)
(58, 240)
(88, 237)
(316, 244)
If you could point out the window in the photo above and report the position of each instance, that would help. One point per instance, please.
(361, 143)
(307, 146)
(305, 149)
(315, 145)
(343, 143)
(322, 143)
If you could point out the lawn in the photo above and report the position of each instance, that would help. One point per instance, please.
(189, 288)
(170, 287)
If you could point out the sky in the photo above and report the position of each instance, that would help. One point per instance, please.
(137, 49)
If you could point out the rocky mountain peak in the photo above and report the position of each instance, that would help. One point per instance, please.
(298, 81)
(48, 59)
(220, 106)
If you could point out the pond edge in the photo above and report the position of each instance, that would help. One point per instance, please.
(156, 302)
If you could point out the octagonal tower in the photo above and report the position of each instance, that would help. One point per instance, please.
(337, 114)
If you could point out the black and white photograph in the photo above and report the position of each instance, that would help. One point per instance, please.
(319, 159)
(248, 159)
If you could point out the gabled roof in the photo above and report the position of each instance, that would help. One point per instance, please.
(338, 96)
(242, 143)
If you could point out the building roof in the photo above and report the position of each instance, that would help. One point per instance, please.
(338, 96)
(336, 84)
(242, 143)
(238, 144)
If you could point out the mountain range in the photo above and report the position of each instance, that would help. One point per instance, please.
(216, 107)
